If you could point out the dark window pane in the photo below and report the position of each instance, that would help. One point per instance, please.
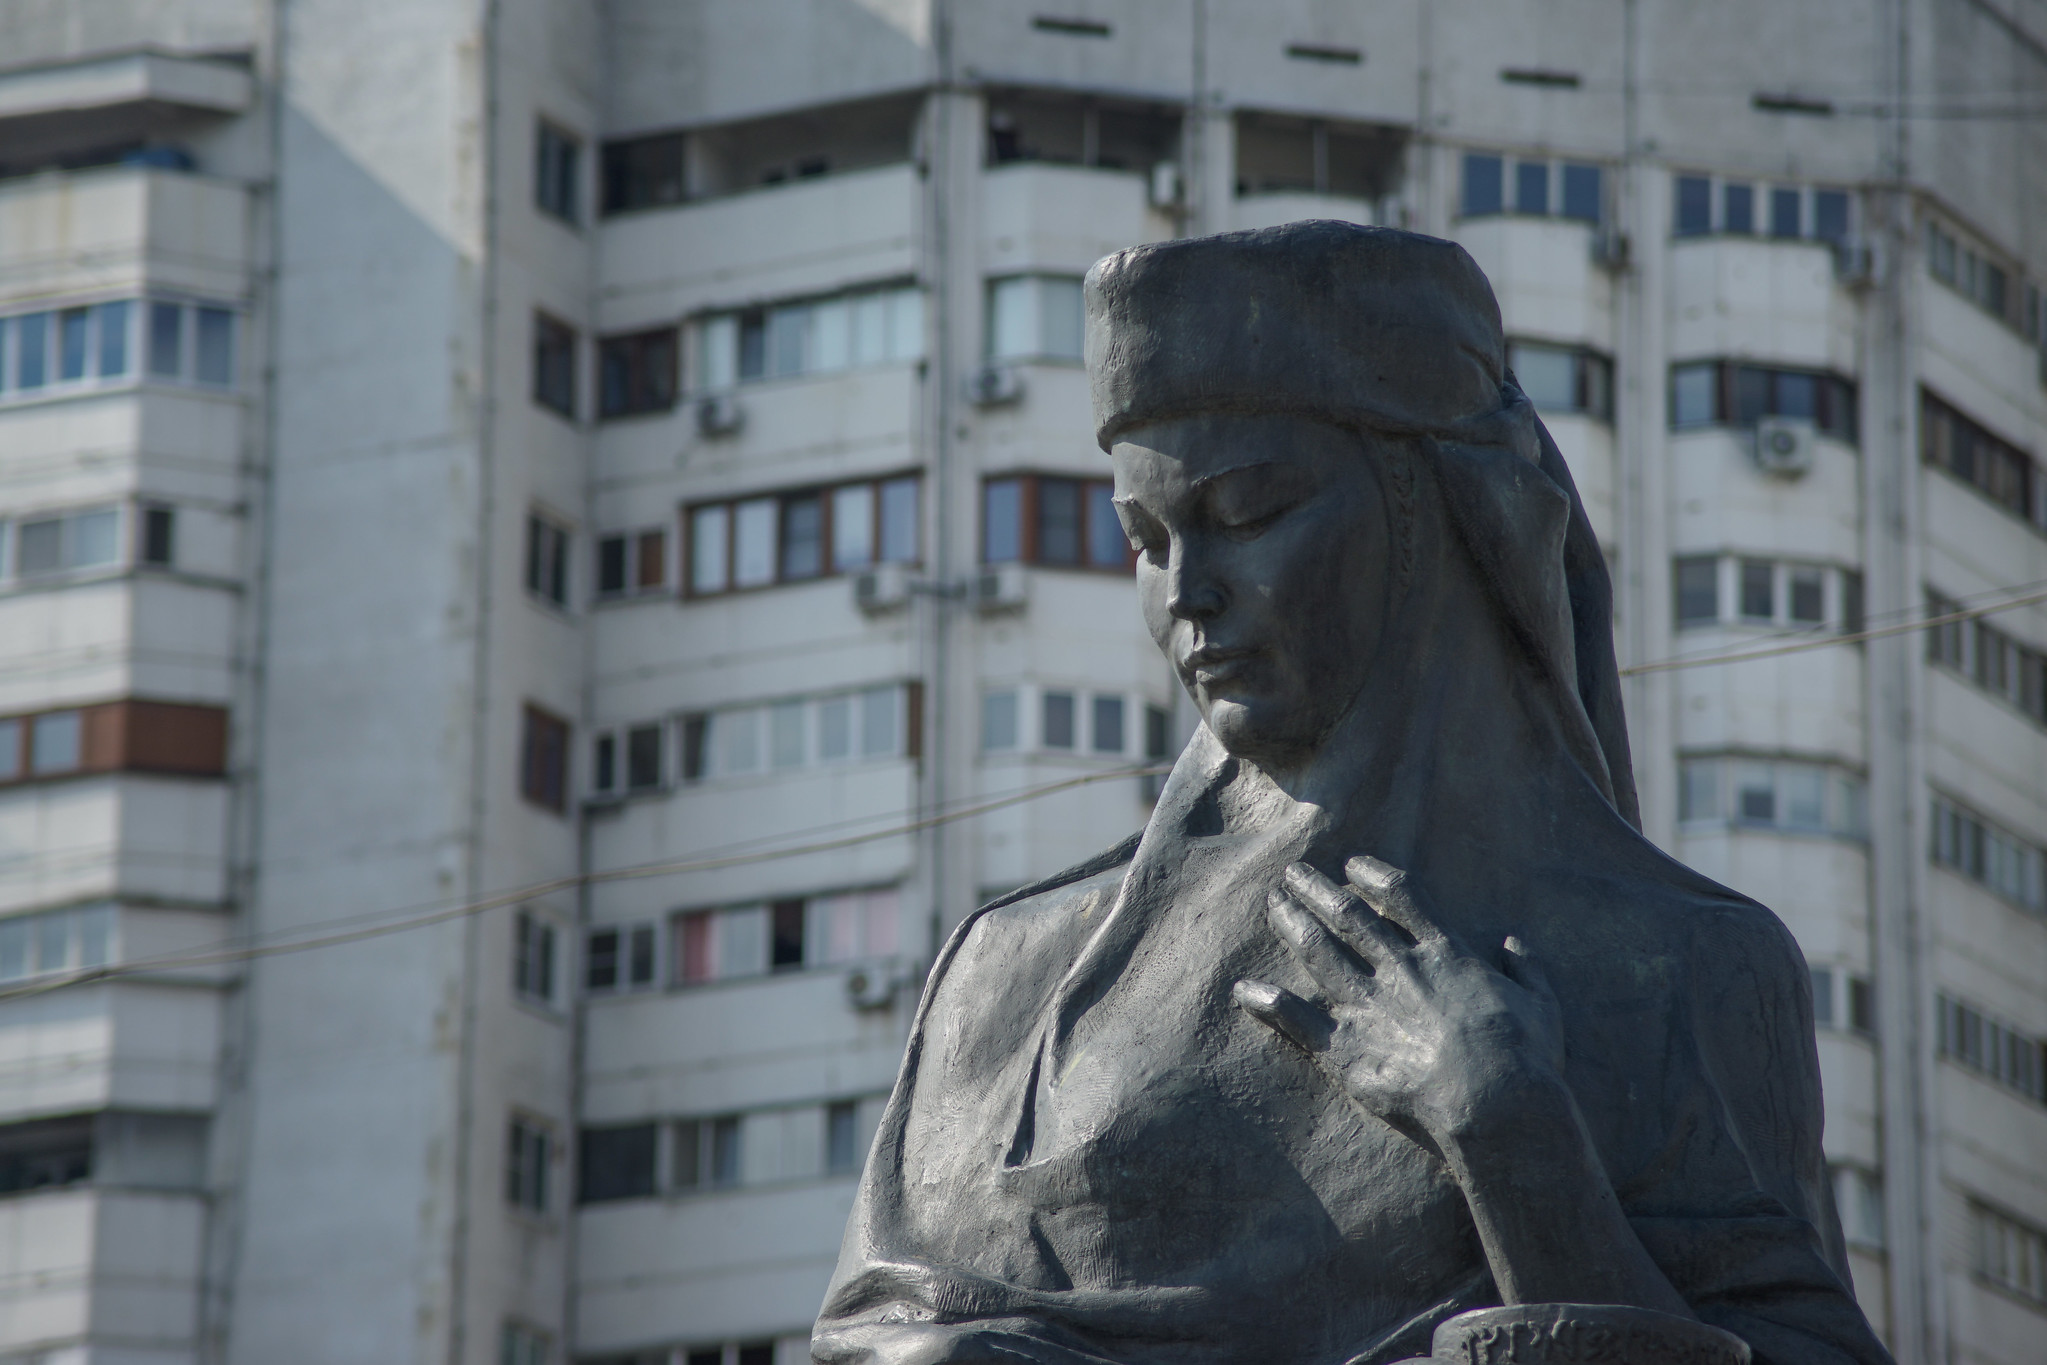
(1757, 598)
(166, 328)
(695, 729)
(611, 565)
(113, 338)
(1795, 396)
(1861, 1005)
(643, 757)
(1698, 590)
(600, 960)
(899, 521)
(650, 559)
(1058, 521)
(1830, 215)
(1852, 620)
(554, 173)
(757, 1353)
(215, 349)
(1694, 205)
(545, 759)
(842, 1153)
(1531, 187)
(1002, 521)
(1582, 192)
(604, 763)
(1057, 730)
(725, 1150)
(616, 1163)
(689, 1163)
(640, 956)
(802, 536)
(159, 535)
(1807, 595)
(1108, 731)
(1156, 721)
(1751, 395)
(643, 173)
(1482, 187)
(1694, 394)
(753, 345)
(1784, 213)
(32, 350)
(1107, 546)
(786, 948)
(1738, 209)
(554, 365)
(71, 348)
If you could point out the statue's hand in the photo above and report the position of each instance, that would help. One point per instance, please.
(1412, 1027)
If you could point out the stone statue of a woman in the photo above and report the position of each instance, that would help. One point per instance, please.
(1390, 1013)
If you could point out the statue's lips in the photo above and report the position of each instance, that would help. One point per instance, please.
(1211, 665)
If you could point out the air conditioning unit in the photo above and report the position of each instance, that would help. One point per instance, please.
(883, 588)
(875, 985)
(1165, 185)
(1784, 449)
(1855, 263)
(1001, 587)
(1610, 248)
(994, 385)
(719, 414)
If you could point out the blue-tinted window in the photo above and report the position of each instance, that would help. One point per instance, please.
(1738, 208)
(113, 339)
(1830, 215)
(899, 521)
(216, 346)
(1531, 187)
(1002, 521)
(1107, 546)
(1582, 192)
(1059, 512)
(72, 351)
(166, 333)
(1784, 214)
(1694, 205)
(1482, 184)
(32, 345)
(1692, 397)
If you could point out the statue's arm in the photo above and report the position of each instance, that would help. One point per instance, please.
(1466, 1055)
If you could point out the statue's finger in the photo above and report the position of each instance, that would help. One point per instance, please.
(1285, 1013)
(1393, 894)
(1343, 912)
(1336, 969)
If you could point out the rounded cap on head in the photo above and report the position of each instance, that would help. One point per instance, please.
(1360, 326)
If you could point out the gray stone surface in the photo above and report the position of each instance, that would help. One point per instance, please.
(1390, 1013)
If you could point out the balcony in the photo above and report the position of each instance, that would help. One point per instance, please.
(1977, 361)
(1544, 276)
(1062, 219)
(87, 838)
(84, 1262)
(126, 1044)
(782, 241)
(1723, 499)
(120, 229)
(1762, 300)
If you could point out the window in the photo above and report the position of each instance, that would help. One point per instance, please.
(811, 336)
(638, 373)
(1972, 274)
(1079, 130)
(634, 563)
(159, 536)
(1531, 187)
(1055, 730)
(519, 1344)
(1281, 154)
(784, 935)
(842, 1143)
(554, 365)
(1483, 177)
(790, 537)
(547, 558)
(533, 939)
(1977, 1041)
(1034, 317)
(70, 348)
(1988, 657)
(619, 958)
(1859, 1195)
(1044, 519)
(1789, 795)
(1808, 595)
(1693, 211)
(616, 1162)
(644, 172)
(1107, 736)
(1563, 378)
(1758, 598)
(45, 1154)
(1993, 466)
(604, 763)
(1738, 209)
(544, 760)
(528, 1146)
(1157, 732)
(707, 1153)
(56, 743)
(1707, 392)
(122, 736)
(1697, 582)
(1831, 987)
(643, 758)
(998, 721)
(875, 722)
(60, 542)
(56, 941)
(2010, 1253)
(2009, 865)
(557, 156)
(1785, 212)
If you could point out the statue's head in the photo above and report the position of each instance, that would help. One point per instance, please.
(1265, 398)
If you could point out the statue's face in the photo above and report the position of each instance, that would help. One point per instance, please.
(1261, 546)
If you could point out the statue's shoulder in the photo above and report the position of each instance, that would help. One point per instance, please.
(1100, 874)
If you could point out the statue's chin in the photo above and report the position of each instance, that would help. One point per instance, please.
(1251, 731)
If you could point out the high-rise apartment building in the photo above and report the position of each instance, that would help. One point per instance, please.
(538, 541)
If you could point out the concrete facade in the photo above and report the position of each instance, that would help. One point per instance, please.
(539, 541)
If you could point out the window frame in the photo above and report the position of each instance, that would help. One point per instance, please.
(560, 172)
(557, 349)
(1030, 512)
(539, 787)
(530, 1151)
(826, 494)
(652, 383)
